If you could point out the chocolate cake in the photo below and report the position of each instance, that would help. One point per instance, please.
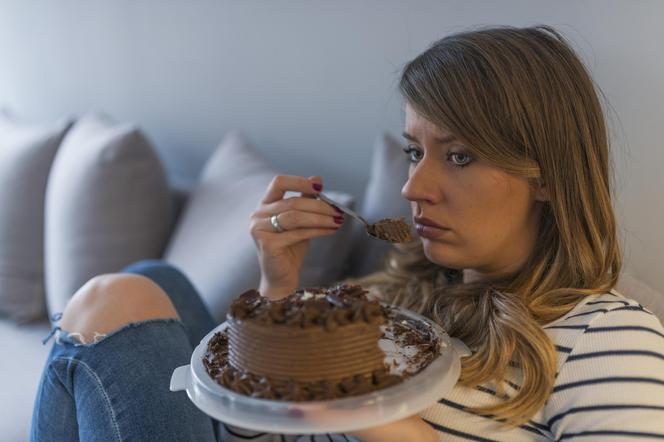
(392, 230)
(314, 344)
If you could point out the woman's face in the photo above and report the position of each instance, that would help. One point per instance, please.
(468, 214)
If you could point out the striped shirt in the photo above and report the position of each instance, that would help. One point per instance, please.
(609, 385)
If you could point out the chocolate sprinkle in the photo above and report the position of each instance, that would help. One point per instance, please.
(312, 307)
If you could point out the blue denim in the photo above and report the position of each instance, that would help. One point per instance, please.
(117, 388)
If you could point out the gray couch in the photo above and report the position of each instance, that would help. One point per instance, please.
(206, 236)
(132, 213)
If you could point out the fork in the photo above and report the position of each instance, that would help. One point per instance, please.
(391, 230)
(346, 210)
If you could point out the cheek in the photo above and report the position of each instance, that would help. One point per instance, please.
(495, 213)
(487, 213)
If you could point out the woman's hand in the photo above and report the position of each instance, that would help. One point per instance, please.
(405, 430)
(281, 253)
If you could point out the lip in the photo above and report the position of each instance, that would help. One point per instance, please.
(426, 222)
(426, 228)
(430, 232)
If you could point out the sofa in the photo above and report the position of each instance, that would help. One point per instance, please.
(90, 196)
(80, 198)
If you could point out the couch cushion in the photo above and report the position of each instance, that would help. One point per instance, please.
(382, 199)
(26, 155)
(212, 243)
(108, 204)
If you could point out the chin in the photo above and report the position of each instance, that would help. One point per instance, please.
(442, 254)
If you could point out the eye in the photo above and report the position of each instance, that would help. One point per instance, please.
(413, 153)
(459, 159)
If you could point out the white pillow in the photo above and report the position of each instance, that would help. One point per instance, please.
(108, 204)
(212, 243)
(382, 199)
(26, 155)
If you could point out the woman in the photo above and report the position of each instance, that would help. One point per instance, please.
(517, 256)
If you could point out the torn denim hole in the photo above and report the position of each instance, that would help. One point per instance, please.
(55, 317)
(55, 329)
(77, 339)
(73, 338)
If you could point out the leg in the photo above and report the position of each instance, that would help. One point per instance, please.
(108, 302)
(116, 387)
(185, 298)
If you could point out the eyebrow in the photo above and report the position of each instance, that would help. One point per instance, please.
(438, 140)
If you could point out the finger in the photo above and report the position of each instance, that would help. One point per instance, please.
(294, 220)
(288, 238)
(315, 179)
(297, 203)
(281, 184)
(269, 242)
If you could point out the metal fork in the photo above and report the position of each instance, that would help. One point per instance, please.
(345, 210)
(392, 230)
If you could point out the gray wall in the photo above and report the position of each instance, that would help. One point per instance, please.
(313, 82)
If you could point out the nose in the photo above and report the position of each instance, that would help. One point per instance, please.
(418, 187)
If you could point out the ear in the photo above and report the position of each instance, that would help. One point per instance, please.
(540, 190)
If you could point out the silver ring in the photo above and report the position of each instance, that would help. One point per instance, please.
(275, 224)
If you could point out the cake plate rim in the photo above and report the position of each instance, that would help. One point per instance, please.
(324, 416)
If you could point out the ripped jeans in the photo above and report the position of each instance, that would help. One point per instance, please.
(117, 387)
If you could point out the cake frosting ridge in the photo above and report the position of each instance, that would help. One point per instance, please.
(314, 344)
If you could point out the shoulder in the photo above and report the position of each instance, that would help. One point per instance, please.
(610, 370)
(598, 315)
(595, 306)
(622, 318)
(607, 325)
(607, 321)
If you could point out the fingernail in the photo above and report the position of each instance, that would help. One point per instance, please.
(339, 219)
(338, 209)
(317, 187)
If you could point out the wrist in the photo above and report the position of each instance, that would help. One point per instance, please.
(275, 293)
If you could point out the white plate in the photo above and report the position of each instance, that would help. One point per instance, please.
(330, 416)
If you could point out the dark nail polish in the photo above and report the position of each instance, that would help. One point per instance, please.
(317, 187)
(338, 209)
(339, 219)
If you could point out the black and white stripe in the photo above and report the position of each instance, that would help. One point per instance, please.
(609, 384)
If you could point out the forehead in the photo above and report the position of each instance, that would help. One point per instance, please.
(416, 124)
(418, 127)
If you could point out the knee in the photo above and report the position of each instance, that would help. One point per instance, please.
(160, 272)
(107, 302)
(155, 269)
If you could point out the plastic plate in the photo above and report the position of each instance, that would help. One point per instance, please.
(330, 416)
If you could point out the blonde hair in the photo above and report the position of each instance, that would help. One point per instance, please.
(524, 102)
